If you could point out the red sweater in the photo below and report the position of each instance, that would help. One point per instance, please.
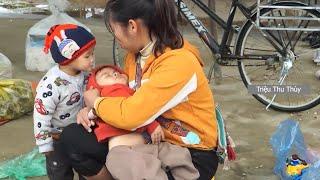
(103, 130)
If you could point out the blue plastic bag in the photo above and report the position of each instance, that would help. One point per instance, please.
(27, 165)
(313, 172)
(287, 140)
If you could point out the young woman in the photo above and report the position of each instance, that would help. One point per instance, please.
(166, 72)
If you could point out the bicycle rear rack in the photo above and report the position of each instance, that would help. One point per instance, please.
(270, 17)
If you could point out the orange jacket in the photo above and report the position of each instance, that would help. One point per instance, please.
(174, 86)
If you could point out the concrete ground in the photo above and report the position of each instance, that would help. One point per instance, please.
(249, 123)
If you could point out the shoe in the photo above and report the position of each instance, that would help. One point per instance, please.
(316, 44)
(311, 36)
(313, 39)
(316, 57)
(317, 74)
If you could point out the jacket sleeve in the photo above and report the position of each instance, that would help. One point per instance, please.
(164, 89)
(152, 126)
(45, 104)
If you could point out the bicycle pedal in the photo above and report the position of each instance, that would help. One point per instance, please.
(315, 46)
(316, 58)
(271, 67)
(222, 62)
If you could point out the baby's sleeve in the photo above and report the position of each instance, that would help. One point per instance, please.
(152, 126)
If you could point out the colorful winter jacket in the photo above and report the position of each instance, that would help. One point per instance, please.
(173, 86)
(57, 103)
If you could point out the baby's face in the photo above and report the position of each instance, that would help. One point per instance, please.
(109, 76)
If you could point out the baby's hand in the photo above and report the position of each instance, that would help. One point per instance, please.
(157, 135)
(92, 115)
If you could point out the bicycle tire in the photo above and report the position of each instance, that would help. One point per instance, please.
(116, 54)
(242, 39)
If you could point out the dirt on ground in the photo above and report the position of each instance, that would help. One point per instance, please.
(250, 125)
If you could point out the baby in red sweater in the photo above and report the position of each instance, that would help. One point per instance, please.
(113, 82)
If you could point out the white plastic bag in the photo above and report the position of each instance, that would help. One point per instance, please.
(36, 59)
(5, 67)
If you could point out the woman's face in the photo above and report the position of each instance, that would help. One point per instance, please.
(129, 37)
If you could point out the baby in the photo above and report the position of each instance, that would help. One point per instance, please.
(125, 146)
(112, 81)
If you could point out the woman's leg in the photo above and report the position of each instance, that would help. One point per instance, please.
(86, 155)
(205, 161)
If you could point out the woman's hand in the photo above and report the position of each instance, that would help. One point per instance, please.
(157, 135)
(83, 119)
(90, 97)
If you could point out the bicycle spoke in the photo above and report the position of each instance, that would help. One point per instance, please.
(254, 44)
(288, 96)
(258, 69)
(305, 52)
(294, 34)
(298, 75)
(272, 37)
(278, 32)
(300, 35)
(250, 72)
(293, 65)
(269, 39)
(300, 70)
(286, 31)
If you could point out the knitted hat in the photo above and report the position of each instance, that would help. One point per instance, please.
(92, 78)
(67, 42)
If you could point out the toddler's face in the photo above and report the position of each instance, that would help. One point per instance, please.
(109, 76)
(84, 62)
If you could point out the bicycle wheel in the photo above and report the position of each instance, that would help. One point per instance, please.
(267, 72)
(118, 54)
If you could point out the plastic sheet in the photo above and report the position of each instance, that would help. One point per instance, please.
(27, 165)
(313, 172)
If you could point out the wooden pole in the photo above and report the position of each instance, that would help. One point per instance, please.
(214, 31)
(212, 24)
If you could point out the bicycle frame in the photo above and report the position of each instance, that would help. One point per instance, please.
(220, 51)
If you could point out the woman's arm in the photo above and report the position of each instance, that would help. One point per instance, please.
(172, 80)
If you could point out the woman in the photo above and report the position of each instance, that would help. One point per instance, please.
(171, 83)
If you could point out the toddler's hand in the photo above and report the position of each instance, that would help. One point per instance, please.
(82, 118)
(157, 135)
(92, 114)
(47, 153)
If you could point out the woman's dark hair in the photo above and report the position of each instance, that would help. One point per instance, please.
(158, 15)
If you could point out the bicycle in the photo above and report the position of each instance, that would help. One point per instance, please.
(269, 48)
